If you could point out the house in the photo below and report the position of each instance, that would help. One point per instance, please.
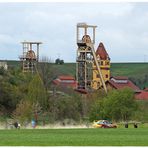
(113, 82)
(143, 95)
(65, 81)
(120, 82)
(4, 65)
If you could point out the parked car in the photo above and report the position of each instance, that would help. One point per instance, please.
(103, 124)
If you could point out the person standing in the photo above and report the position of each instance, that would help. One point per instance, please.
(33, 123)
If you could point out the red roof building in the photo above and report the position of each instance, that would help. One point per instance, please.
(101, 51)
(66, 81)
(143, 95)
(146, 89)
(122, 82)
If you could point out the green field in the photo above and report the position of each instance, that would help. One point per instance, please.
(122, 69)
(137, 72)
(129, 69)
(75, 137)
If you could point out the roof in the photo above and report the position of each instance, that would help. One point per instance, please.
(121, 85)
(82, 91)
(146, 89)
(143, 95)
(101, 51)
(66, 77)
(120, 77)
(66, 81)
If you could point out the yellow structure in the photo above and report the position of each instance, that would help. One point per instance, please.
(104, 63)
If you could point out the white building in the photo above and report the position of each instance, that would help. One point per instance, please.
(4, 65)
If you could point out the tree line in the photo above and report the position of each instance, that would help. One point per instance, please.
(24, 97)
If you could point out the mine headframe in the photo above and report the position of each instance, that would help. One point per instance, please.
(86, 57)
(30, 56)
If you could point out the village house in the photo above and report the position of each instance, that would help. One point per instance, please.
(65, 81)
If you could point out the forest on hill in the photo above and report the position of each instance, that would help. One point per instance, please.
(24, 97)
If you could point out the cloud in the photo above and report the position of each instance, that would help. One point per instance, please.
(122, 27)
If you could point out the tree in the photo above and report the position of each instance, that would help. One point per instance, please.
(65, 105)
(96, 111)
(120, 104)
(37, 92)
(2, 71)
(45, 71)
(117, 105)
(61, 62)
(23, 111)
(58, 61)
(10, 96)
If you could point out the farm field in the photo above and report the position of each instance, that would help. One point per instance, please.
(125, 69)
(75, 137)
(129, 69)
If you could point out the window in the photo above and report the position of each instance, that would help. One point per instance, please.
(107, 62)
(97, 76)
(106, 76)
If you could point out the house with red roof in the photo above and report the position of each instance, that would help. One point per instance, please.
(143, 95)
(65, 81)
(121, 82)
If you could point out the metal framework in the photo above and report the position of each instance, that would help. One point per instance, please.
(30, 57)
(86, 57)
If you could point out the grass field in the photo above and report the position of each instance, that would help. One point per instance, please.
(129, 69)
(75, 137)
(125, 69)
(137, 71)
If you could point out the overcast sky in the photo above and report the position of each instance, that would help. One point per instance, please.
(122, 27)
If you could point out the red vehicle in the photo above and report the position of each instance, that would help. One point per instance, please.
(103, 124)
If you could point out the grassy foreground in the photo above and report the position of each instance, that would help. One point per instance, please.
(74, 137)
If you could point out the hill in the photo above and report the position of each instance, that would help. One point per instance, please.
(137, 72)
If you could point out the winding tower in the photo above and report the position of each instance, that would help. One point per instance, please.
(30, 56)
(86, 58)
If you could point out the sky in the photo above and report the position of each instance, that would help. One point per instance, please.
(122, 27)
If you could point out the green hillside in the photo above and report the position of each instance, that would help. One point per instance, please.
(129, 69)
(137, 72)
